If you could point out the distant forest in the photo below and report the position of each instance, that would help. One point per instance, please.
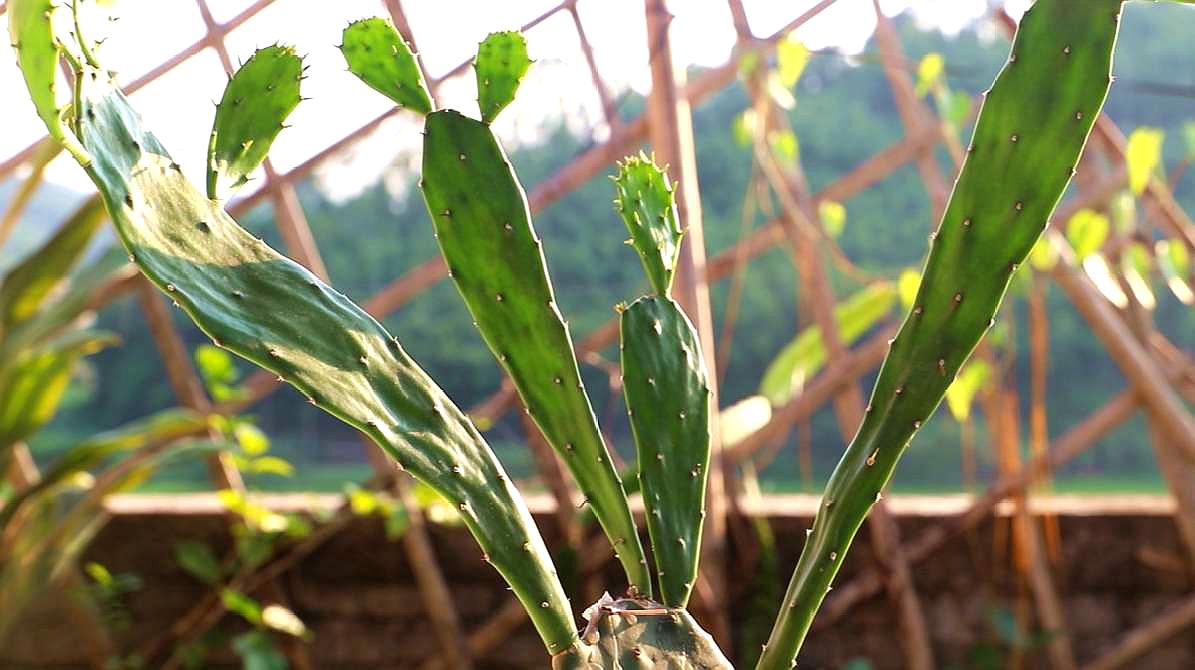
(843, 114)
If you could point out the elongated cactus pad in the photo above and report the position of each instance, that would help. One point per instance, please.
(496, 260)
(256, 102)
(634, 633)
(501, 64)
(32, 33)
(667, 394)
(1030, 132)
(647, 205)
(270, 310)
(380, 57)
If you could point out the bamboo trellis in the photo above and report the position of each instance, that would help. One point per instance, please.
(1158, 373)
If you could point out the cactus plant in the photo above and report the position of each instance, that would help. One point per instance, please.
(496, 260)
(256, 102)
(1032, 127)
(665, 384)
(268, 309)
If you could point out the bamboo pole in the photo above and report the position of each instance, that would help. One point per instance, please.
(1143, 639)
(671, 132)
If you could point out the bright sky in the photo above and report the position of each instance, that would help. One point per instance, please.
(179, 105)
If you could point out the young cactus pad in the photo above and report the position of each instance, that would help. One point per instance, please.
(647, 205)
(501, 64)
(256, 102)
(380, 57)
(1027, 140)
(270, 310)
(496, 260)
(668, 395)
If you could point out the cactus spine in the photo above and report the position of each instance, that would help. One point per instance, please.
(665, 384)
(1030, 132)
(270, 310)
(256, 102)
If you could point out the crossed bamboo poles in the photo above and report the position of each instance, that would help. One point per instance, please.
(1137, 356)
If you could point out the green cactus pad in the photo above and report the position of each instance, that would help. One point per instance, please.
(501, 64)
(32, 34)
(667, 394)
(256, 102)
(647, 205)
(634, 633)
(270, 310)
(484, 230)
(1030, 132)
(380, 57)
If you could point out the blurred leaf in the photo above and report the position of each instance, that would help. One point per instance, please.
(791, 58)
(215, 364)
(1124, 212)
(396, 522)
(1043, 257)
(748, 63)
(1087, 230)
(251, 439)
(241, 605)
(961, 392)
(806, 354)
(743, 418)
(1174, 264)
(198, 560)
(99, 574)
(271, 465)
(1136, 268)
(955, 107)
(907, 285)
(1143, 154)
(1008, 629)
(257, 652)
(743, 128)
(32, 383)
(833, 216)
(281, 619)
(929, 72)
(1189, 138)
(24, 288)
(785, 145)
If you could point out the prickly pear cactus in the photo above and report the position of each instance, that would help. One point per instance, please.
(484, 230)
(665, 383)
(380, 57)
(253, 110)
(1030, 132)
(637, 633)
(268, 309)
(501, 64)
(646, 203)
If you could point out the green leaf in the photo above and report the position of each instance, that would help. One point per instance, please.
(955, 107)
(251, 439)
(833, 216)
(785, 145)
(215, 365)
(31, 385)
(929, 72)
(198, 560)
(961, 392)
(1174, 263)
(241, 605)
(743, 127)
(806, 354)
(1189, 138)
(791, 58)
(1086, 231)
(25, 286)
(257, 652)
(1143, 154)
(99, 574)
(271, 465)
